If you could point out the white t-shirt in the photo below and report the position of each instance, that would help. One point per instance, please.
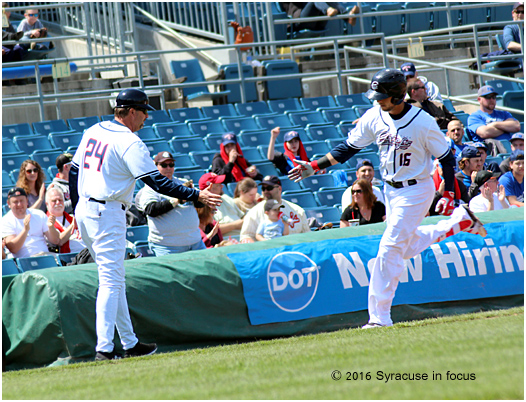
(480, 204)
(228, 212)
(35, 241)
(347, 196)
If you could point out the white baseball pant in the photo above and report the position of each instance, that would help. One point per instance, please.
(103, 229)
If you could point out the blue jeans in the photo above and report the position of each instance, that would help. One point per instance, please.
(165, 250)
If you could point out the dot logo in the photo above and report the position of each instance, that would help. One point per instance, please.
(292, 279)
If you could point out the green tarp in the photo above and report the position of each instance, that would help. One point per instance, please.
(178, 301)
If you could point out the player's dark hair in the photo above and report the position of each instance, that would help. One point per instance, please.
(22, 178)
(367, 192)
(121, 112)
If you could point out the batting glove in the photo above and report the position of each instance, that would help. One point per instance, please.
(304, 169)
(446, 204)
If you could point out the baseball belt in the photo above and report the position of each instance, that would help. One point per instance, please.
(400, 184)
(104, 202)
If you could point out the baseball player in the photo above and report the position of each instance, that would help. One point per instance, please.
(406, 137)
(108, 161)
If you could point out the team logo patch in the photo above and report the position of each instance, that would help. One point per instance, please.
(406, 68)
(374, 85)
(399, 142)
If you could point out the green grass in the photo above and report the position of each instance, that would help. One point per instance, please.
(489, 345)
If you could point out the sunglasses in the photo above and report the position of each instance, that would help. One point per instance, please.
(417, 88)
(518, 11)
(166, 165)
(356, 191)
(490, 96)
(32, 15)
(32, 170)
(267, 188)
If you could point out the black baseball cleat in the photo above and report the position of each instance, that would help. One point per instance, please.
(101, 356)
(141, 349)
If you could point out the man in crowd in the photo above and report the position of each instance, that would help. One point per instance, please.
(492, 196)
(469, 164)
(61, 180)
(483, 149)
(513, 181)
(489, 125)
(271, 188)
(432, 90)
(419, 98)
(364, 170)
(455, 134)
(516, 142)
(11, 53)
(511, 34)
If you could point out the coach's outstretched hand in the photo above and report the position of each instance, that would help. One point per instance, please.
(208, 198)
(304, 169)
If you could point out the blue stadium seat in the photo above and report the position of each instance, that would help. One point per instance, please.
(329, 197)
(6, 179)
(203, 159)
(266, 168)
(322, 133)
(479, 15)
(351, 100)
(190, 174)
(217, 111)
(269, 122)
(156, 146)
(9, 267)
(186, 113)
(463, 117)
(237, 124)
(170, 130)
(107, 117)
(252, 155)
(372, 156)
(502, 86)
(65, 140)
(185, 145)
(65, 258)
(147, 133)
(9, 147)
(31, 143)
(13, 161)
(515, 100)
(305, 118)
(448, 104)
(50, 126)
(316, 102)
(304, 199)
(205, 127)
(317, 181)
(324, 215)
(506, 144)
(184, 161)
(46, 157)
(289, 185)
(137, 233)
(283, 88)
(157, 116)
(253, 108)
(361, 109)
(316, 147)
(440, 17)
(284, 105)
(52, 171)
(231, 71)
(417, 22)
(335, 116)
(34, 263)
(254, 138)
(388, 24)
(345, 126)
(213, 141)
(80, 124)
(12, 130)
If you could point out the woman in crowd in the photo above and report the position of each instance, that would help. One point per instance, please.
(210, 231)
(461, 191)
(246, 194)
(364, 206)
(31, 178)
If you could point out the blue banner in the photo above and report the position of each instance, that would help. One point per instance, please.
(332, 276)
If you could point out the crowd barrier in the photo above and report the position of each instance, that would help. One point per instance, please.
(197, 298)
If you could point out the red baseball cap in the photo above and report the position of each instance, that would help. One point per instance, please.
(209, 178)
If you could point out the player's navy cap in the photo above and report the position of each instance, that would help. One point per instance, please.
(290, 135)
(271, 181)
(517, 155)
(134, 98)
(210, 178)
(483, 176)
(469, 152)
(272, 204)
(480, 145)
(16, 192)
(408, 69)
(486, 90)
(517, 136)
(228, 138)
(163, 156)
(62, 160)
(363, 162)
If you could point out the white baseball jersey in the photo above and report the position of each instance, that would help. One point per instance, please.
(110, 158)
(405, 145)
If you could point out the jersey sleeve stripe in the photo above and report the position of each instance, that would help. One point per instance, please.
(145, 174)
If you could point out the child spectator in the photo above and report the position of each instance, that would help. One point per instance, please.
(513, 181)
(272, 226)
(32, 28)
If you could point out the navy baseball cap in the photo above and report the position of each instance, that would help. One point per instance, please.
(469, 152)
(363, 162)
(16, 192)
(408, 69)
(517, 155)
(271, 181)
(517, 136)
(486, 90)
(290, 135)
(228, 138)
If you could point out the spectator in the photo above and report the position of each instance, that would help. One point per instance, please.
(246, 195)
(461, 191)
(432, 90)
(513, 181)
(26, 230)
(32, 179)
(469, 164)
(516, 142)
(70, 240)
(173, 224)
(272, 226)
(488, 199)
(11, 53)
(483, 149)
(228, 214)
(489, 125)
(511, 34)
(364, 206)
(418, 97)
(271, 187)
(364, 170)
(316, 9)
(231, 162)
(294, 149)
(4, 254)
(210, 230)
(61, 180)
(455, 132)
(32, 28)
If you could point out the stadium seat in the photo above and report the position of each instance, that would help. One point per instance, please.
(185, 145)
(231, 71)
(284, 105)
(80, 124)
(9, 267)
(203, 159)
(217, 111)
(65, 258)
(266, 168)
(191, 69)
(322, 133)
(157, 116)
(6, 179)
(147, 133)
(13, 161)
(187, 113)
(213, 141)
(205, 127)
(515, 100)
(448, 104)
(184, 161)
(316, 102)
(253, 155)
(417, 22)
(351, 100)
(335, 116)
(9, 147)
(304, 118)
(269, 122)
(107, 117)
(315, 147)
(46, 157)
(65, 140)
(170, 130)
(506, 144)
(253, 108)
(50, 126)
(304, 199)
(463, 117)
(502, 86)
(12, 130)
(329, 197)
(190, 174)
(283, 88)
(345, 126)
(31, 143)
(440, 17)
(156, 146)
(289, 185)
(34, 263)
(372, 156)
(361, 109)
(237, 124)
(137, 233)
(479, 15)
(317, 181)
(324, 215)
